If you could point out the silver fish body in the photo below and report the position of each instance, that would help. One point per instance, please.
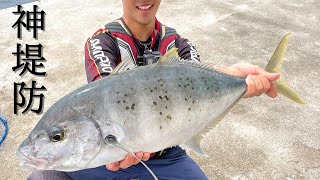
(147, 109)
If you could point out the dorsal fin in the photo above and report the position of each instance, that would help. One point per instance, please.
(121, 66)
(171, 57)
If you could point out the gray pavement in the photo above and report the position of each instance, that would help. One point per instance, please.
(261, 138)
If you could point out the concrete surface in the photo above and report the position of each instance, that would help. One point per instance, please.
(261, 138)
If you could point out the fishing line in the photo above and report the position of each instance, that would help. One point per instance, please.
(5, 124)
(113, 140)
(129, 151)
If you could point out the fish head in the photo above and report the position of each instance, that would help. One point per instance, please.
(61, 141)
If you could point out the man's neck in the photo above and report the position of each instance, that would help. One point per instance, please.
(142, 32)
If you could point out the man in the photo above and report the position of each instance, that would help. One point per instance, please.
(138, 36)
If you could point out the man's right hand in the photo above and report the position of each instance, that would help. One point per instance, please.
(128, 161)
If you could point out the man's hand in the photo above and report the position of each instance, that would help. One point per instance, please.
(258, 80)
(128, 161)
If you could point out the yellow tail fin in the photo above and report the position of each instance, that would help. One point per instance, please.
(274, 66)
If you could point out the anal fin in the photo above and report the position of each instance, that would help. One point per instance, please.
(194, 145)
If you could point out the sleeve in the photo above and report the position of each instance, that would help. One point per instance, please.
(102, 55)
(187, 50)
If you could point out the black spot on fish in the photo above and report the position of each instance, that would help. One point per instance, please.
(166, 97)
(155, 103)
(192, 88)
(179, 85)
(180, 79)
(188, 84)
(159, 80)
(185, 99)
(124, 101)
(166, 107)
(118, 102)
(132, 106)
(189, 120)
(185, 86)
(166, 92)
(161, 85)
(127, 108)
(160, 113)
(125, 95)
(169, 117)
(155, 87)
(189, 109)
(202, 77)
(160, 97)
(187, 78)
(131, 88)
(193, 101)
(118, 92)
(160, 127)
(151, 90)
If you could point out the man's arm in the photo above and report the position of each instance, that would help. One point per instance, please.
(187, 50)
(102, 55)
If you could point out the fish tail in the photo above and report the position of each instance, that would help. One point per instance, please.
(275, 65)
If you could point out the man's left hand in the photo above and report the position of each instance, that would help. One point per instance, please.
(258, 80)
(128, 161)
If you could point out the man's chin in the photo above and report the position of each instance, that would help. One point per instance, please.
(146, 21)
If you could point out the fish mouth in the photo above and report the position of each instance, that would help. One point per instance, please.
(32, 163)
(29, 162)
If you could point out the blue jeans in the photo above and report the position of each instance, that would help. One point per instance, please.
(175, 164)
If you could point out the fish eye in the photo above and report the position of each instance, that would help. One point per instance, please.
(56, 135)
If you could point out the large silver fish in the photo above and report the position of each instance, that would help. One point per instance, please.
(172, 102)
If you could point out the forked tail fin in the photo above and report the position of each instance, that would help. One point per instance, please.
(274, 66)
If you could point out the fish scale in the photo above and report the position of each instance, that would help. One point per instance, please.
(176, 110)
(150, 108)
(149, 103)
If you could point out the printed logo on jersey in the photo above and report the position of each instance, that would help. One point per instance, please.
(99, 55)
(193, 52)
